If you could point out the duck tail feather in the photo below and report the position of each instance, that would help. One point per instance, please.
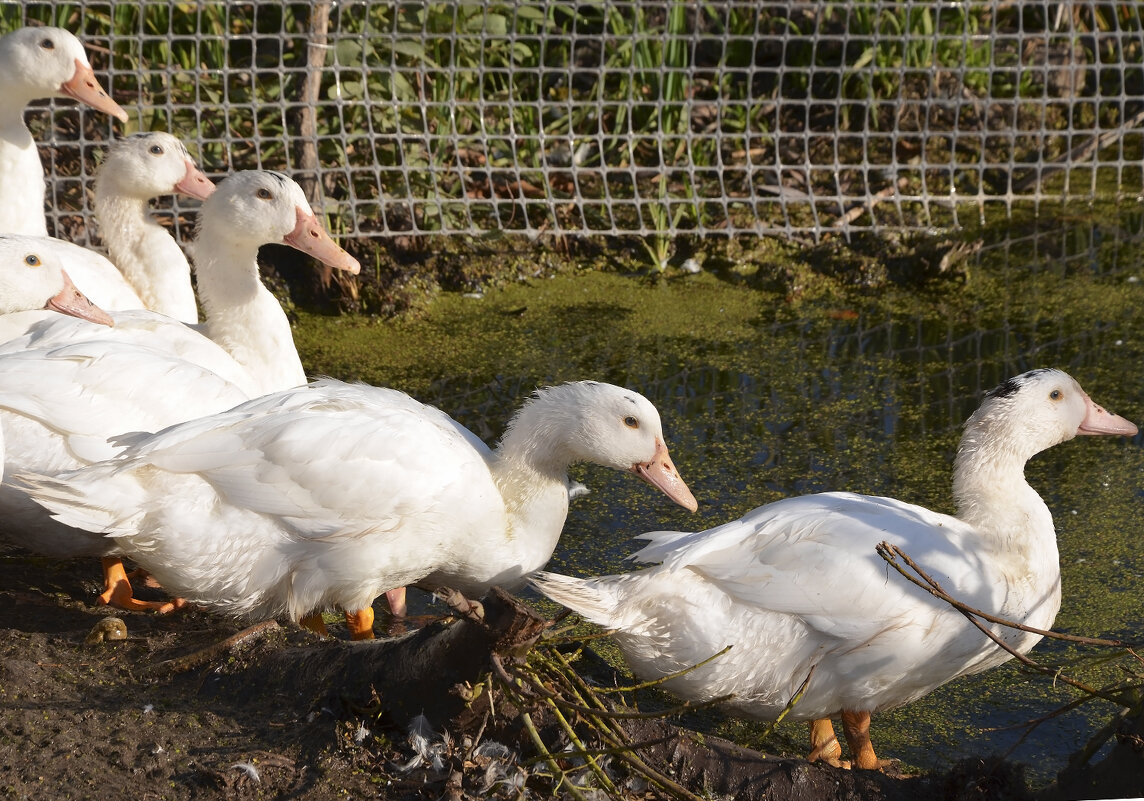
(70, 502)
(593, 598)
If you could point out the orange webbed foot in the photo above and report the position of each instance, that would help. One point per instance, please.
(856, 727)
(361, 623)
(824, 744)
(117, 591)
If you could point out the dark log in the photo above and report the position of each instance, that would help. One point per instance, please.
(423, 672)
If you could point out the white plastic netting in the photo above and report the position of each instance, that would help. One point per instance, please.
(624, 118)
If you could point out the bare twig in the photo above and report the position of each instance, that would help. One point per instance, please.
(857, 210)
(200, 657)
(543, 692)
(557, 773)
(569, 693)
(891, 553)
(1081, 153)
(656, 682)
(798, 694)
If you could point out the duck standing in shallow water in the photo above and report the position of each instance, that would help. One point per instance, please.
(797, 589)
(329, 495)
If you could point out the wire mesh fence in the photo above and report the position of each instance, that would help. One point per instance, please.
(612, 118)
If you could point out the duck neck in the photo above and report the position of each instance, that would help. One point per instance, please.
(147, 256)
(1015, 525)
(21, 212)
(531, 472)
(242, 316)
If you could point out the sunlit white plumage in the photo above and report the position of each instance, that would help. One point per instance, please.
(32, 280)
(328, 495)
(136, 170)
(60, 405)
(66, 390)
(147, 268)
(797, 586)
(250, 209)
(43, 63)
(37, 63)
(249, 343)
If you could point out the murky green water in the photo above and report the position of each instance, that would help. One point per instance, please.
(764, 397)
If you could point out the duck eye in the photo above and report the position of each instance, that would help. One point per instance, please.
(155, 150)
(47, 44)
(264, 194)
(1056, 395)
(631, 422)
(32, 260)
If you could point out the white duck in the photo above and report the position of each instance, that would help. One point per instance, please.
(797, 589)
(149, 270)
(32, 279)
(137, 169)
(37, 63)
(250, 343)
(65, 390)
(29, 280)
(329, 495)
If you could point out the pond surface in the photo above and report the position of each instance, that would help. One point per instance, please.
(765, 396)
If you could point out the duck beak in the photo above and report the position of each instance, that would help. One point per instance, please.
(310, 237)
(194, 183)
(660, 472)
(86, 89)
(73, 302)
(1100, 421)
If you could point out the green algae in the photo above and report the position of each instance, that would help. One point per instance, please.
(559, 328)
(773, 389)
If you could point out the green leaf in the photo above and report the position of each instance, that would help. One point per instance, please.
(412, 48)
(492, 24)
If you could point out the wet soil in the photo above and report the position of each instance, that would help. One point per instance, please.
(166, 713)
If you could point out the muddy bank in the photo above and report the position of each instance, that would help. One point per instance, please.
(167, 713)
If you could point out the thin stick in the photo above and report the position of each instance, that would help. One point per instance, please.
(581, 749)
(680, 709)
(185, 663)
(584, 694)
(557, 773)
(857, 210)
(656, 776)
(1080, 153)
(621, 746)
(888, 552)
(662, 679)
(798, 694)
